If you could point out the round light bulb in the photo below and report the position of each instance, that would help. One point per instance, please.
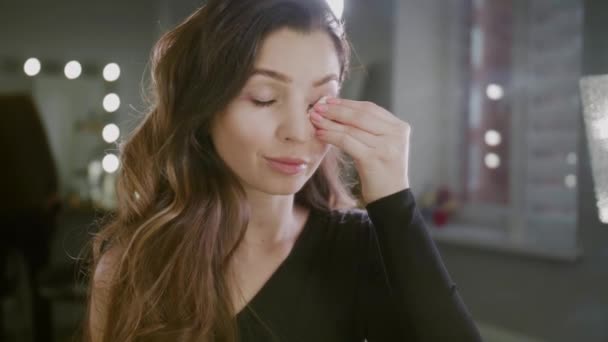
(111, 72)
(31, 67)
(110, 133)
(495, 92)
(492, 137)
(111, 102)
(72, 70)
(492, 160)
(110, 163)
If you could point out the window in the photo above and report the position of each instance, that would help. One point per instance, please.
(518, 64)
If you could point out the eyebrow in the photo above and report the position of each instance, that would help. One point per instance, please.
(286, 79)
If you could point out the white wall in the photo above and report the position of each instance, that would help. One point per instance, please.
(370, 27)
(417, 85)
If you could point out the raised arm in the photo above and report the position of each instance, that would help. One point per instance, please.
(409, 293)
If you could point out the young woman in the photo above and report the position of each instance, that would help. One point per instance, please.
(234, 223)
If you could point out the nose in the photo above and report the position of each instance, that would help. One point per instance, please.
(295, 123)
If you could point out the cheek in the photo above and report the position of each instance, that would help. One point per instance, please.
(248, 131)
(253, 134)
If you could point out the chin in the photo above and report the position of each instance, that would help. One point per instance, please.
(284, 185)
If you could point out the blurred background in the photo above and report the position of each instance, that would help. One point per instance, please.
(501, 157)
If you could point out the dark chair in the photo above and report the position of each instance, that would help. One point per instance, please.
(29, 206)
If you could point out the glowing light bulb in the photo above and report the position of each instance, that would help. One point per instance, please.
(492, 137)
(110, 163)
(31, 67)
(72, 70)
(111, 72)
(495, 92)
(110, 133)
(492, 160)
(111, 102)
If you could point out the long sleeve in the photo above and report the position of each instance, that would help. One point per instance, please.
(407, 293)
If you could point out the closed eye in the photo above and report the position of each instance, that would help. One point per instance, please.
(271, 102)
(263, 103)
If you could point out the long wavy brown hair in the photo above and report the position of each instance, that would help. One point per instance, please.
(181, 211)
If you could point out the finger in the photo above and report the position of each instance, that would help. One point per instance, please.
(368, 139)
(351, 117)
(355, 148)
(371, 107)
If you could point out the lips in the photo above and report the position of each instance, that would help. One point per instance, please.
(289, 160)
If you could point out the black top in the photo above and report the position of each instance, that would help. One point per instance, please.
(358, 274)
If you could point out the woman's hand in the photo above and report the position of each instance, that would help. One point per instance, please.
(377, 141)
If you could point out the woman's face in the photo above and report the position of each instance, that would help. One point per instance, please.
(268, 119)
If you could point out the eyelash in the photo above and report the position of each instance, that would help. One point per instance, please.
(263, 103)
(269, 103)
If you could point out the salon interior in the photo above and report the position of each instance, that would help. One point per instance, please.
(508, 104)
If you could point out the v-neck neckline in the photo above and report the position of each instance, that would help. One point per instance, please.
(296, 250)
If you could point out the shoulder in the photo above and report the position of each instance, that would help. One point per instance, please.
(106, 267)
(103, 279)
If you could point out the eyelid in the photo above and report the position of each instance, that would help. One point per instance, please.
(263, 103)
(263, 98)
(262, 93)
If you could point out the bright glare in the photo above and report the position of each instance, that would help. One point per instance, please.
(337, 6)
(492, 160)
(111, 72)
(570, 181)
(600, 128)
(31, 67)
(492, 137)
(72, 70)
(111, 102)
(110, 163)
(603, 214)
(110, 133)
(494, 92)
